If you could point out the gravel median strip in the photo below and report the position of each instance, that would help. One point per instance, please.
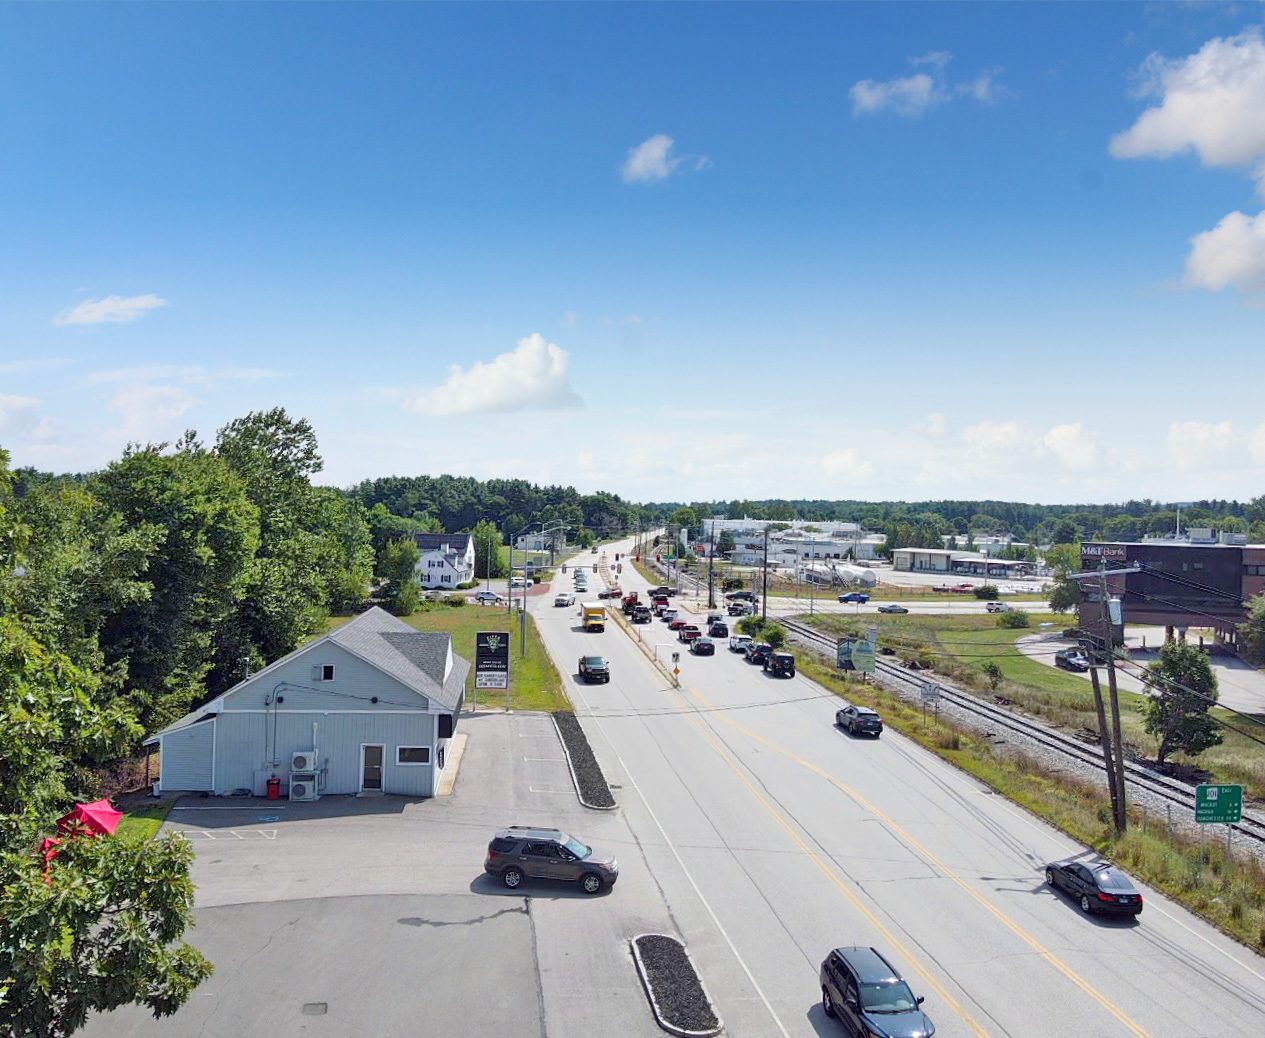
(590, 783)
(677, 996)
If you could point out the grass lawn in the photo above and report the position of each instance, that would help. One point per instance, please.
(534, 680)
(142, 823)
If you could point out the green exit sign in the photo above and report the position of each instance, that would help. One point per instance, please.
(1218, 804)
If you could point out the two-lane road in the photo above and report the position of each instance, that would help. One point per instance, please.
(775, 837)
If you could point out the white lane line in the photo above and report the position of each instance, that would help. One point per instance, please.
(672, 847)
(533, 789)
(274, 806)
(548, 760)
(1047, 831)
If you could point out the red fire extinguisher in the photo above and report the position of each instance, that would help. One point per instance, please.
(274, 788)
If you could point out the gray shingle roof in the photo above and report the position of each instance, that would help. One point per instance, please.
(455, 542)
(414, 658)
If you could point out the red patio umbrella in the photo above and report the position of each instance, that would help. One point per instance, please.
(96, 818)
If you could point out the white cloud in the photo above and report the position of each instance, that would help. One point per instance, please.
(1194, 445)
(1073, 446)
(532, 377)
(913, 95)
(18, 367)
(847, 462)
(1212, 102)
(652, 160)
(909, 95)
(1256, 443)
(1232, 253)
(936, 58)
(935, 425)
(110, 310)
(149, 412)
(991, 437)
(20, 418)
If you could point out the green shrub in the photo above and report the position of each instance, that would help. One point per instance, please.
(733, 584)
(988, 591)
(1014, 619)
(455, 600)
(774, 634)
(993, 673)
(467, 585)
(752, 625)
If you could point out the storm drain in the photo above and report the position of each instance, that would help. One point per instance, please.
(315, 1008)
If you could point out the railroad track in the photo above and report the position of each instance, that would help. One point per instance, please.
(1171, 790)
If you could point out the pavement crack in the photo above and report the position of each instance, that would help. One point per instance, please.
(439, 923)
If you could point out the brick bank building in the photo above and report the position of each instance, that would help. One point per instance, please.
(1197, 583)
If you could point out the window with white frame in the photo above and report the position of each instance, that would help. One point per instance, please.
(323, 672)
(407, 755)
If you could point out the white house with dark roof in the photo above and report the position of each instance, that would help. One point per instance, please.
(369, 708)
(447, 559)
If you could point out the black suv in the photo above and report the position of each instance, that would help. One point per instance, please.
(780, 664)
(594, 668)
(859, 720)
(863, 990)
(528, 852)
(757, 651)
(719, 629)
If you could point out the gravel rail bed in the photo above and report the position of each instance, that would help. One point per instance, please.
(680, 1003)
(590, 784)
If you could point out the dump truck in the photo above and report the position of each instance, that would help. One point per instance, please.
(630, 602)
(593, 616)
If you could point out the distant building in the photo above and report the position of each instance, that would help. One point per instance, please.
(1181, 583)
(447, 559)
(961, 563)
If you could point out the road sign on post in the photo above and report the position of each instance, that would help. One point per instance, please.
(1218, 805)
(492, 659)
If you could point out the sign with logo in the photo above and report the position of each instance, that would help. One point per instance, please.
(863, 653)
(1108, 552)
(843, 653)
(492, 659)
(930, 692)
(1218, 804)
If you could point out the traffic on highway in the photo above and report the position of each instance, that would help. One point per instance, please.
(830, 881)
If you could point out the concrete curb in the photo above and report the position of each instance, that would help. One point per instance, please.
(622, 621)
(566, 752)
(660, 1019)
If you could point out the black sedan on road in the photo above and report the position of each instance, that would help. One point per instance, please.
(892, 607)
(703, 647)
(1097, 887)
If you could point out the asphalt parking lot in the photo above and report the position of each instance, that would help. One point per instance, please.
(373, 917)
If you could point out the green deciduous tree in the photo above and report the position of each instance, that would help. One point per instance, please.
(400, 588)
(101, 930)
(1182, 687)
(1252, 630)
(725, 542)
(487, 550)
(100, 927)
(198, 573)
(1063, 559)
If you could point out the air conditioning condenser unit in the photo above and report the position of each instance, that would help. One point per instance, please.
(304, 760)
(303, 787)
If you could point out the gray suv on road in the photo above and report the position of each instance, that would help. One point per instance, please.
(863, 991)
(527, 852)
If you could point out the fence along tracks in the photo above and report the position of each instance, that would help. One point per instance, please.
(1170, 790)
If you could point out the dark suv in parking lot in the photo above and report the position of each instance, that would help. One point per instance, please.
(863, 991)
(527, 852)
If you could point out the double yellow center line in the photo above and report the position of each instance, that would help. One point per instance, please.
(892, 939)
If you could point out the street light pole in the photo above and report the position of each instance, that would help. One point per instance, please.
(764, 594)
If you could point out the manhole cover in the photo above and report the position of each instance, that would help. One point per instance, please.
(315, 1008)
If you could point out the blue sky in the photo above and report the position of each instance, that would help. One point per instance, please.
(672, 251)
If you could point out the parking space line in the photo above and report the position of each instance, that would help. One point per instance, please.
(223, 834)
(548, 760)
(567, 792)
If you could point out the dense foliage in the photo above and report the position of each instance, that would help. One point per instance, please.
(1183, 687)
